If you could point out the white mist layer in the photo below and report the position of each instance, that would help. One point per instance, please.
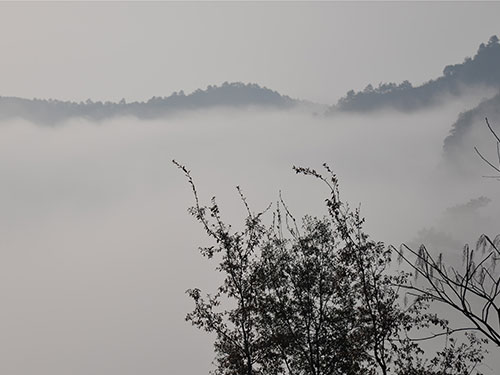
(98, 249)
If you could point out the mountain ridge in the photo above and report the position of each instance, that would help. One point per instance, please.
(481, 70)
(228, 95)
(458, 146)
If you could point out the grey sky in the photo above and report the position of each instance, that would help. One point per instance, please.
(316, 51)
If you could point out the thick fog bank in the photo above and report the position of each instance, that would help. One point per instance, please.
(98, 249)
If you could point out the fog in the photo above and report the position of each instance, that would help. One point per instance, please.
(98, 248)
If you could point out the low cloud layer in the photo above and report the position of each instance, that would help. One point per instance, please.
(98, 249)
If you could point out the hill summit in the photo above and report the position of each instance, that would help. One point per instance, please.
(229, 95)
(482, 70)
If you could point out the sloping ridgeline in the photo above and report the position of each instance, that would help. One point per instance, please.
(470, 131)
(229, 95)
(481, 70)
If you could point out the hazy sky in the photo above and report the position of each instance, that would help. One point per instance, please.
(316, 51)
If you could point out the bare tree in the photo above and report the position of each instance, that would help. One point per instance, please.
(473, 290)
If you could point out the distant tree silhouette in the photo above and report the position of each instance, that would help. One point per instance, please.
(482, 70)
(229, 95)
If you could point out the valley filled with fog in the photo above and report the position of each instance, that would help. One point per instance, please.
(98, 247)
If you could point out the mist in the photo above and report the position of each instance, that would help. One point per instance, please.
(98, 247)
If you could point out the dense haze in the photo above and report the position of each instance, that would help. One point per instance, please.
(97, 247)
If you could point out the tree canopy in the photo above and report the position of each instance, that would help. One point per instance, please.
(316, 297)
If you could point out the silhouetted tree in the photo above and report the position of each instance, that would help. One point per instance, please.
(473, 291)
(312, 299)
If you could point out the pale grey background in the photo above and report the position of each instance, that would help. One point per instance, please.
(316, 51)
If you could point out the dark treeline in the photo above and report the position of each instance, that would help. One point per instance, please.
(232, 95)
(481, 70)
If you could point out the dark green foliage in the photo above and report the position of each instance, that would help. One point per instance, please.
(454, 359)
(310, 310)
(314, 299)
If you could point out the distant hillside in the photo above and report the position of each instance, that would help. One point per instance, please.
(481, 70)
(470, 131)
(230, 95)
